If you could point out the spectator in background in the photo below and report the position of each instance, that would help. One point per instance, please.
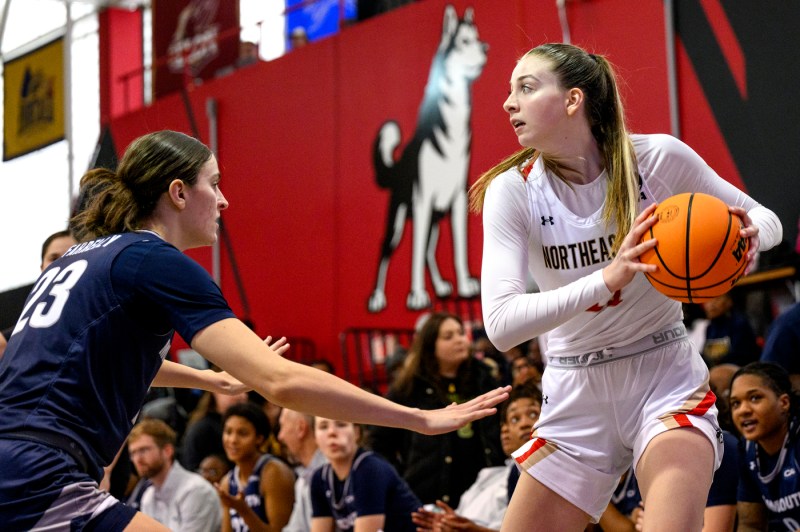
(358, 490)
(440, 370)
(177, 498)
(323, 365)
(483, 505)
(523, 370)
(248, 54)
(204, 431)
(719, 380)
(53, 248)
(298, 38)
(782, 346)
(484, 350)
(297, 434)
(214, 467)
(625, 508)
(273, 413)
(258, 494)
(730, 338)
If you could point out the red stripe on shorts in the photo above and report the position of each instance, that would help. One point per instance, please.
(538, 444)
(708, 401)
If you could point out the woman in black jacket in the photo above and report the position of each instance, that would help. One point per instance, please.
(440, 370)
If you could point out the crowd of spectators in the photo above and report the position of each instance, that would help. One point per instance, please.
(238, 462)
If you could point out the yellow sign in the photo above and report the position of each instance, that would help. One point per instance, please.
(33, 87)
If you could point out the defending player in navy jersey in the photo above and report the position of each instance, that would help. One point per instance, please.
(97, 325)
(765, 410)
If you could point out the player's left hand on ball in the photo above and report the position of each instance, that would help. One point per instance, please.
(750, 232)
(456, 416)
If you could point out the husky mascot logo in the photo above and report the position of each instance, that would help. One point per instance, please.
(430, 178)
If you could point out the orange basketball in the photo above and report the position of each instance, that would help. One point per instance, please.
(699, 254)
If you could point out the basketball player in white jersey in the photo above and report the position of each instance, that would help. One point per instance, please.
(623, 384)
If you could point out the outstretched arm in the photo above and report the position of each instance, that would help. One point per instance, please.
(233, 347)
(174, 375)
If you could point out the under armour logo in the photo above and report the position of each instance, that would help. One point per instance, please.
(642, 195)
(547, 220)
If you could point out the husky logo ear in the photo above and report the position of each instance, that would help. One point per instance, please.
(468, 14)
(449, 25)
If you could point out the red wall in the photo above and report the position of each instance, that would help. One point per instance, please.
(295, 146)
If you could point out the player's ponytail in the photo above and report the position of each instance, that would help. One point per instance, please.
(104, 204)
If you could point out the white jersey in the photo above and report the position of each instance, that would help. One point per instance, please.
(538, 226)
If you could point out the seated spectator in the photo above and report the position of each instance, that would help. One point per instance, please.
(214, 467)
(523, 370)
(484, 350)
(765, 411)
(719, 380)
(357, 490)
(258, 494)
(730, 338)
(298, 38)
(624, 510)
(203, 435)
(782, 345)
(483, 505)
(720, 512)
(177, 498)
(273, 413)
(323, 365)
(297, 434)
(440, 370)
(53, 248)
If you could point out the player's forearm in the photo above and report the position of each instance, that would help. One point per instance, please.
(236, 349)
(174, 375)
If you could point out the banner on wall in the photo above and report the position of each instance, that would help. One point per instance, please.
(33, 104)
(320, 18)
(192, 39)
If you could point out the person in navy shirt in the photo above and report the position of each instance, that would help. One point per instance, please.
(99, 322)
(765, 409)
(357, 489)
(258, 493)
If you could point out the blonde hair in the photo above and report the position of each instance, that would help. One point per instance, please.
(595, 76)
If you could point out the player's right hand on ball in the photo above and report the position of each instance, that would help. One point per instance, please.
(626, 262)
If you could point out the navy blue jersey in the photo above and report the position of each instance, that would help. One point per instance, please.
(373, 487)
(252, 494)
(726, 477)
(773, 481)
(92, 336)
(626, 497)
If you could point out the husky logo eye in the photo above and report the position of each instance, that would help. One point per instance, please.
(428, 180)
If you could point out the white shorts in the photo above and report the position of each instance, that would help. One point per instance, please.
(602, 409)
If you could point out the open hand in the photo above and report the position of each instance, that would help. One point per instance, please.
(236, 502)
(456, 416)
(626, 262)
(280, 346)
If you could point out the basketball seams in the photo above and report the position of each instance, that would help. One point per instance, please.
(704, 223)
(687, 247)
